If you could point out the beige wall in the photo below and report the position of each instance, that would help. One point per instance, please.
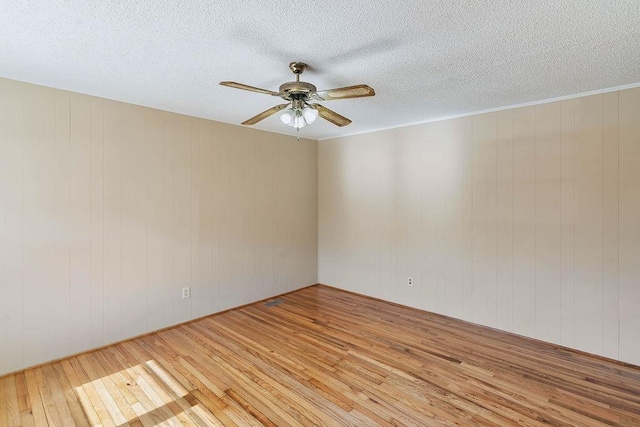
(107, 210)
(527, 220)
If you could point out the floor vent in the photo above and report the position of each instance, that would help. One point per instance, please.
(274, 302)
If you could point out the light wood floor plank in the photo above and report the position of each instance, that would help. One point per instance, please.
(83, 397)
(71, 397)
(94, 397)
(24, 402)
(9, 408)
(48, 380)
(148, 412)
(322, 356)
(173, 393)
(37, 401)
(103, 387)
(115, 386)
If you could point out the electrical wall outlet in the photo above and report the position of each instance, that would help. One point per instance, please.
(410, 281)
(186, 292)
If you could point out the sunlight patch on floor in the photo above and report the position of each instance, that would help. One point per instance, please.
(144, 392)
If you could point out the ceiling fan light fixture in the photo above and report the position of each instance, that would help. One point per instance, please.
(298, 118)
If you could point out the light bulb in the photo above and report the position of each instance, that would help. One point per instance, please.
(310, 114)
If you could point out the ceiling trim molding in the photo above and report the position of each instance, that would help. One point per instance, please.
(493, 110)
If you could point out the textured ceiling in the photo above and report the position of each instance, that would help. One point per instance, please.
(425, 59)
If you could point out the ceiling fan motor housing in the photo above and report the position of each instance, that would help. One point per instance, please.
(296, 90)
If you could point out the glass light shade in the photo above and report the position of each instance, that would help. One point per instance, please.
(287, 117)
(299, 122)
(310, 114)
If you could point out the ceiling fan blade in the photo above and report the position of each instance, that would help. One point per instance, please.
(331, 116)
(249, 88)
(357, 91)
(255, 119)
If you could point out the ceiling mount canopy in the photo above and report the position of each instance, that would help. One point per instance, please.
(299, 111)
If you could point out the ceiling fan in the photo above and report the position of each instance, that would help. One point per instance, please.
(299, 111)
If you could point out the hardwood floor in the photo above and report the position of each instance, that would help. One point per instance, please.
(325, 357)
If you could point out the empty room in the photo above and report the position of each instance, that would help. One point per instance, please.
(289, 213)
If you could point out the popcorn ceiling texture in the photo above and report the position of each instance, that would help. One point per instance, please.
(424, 59)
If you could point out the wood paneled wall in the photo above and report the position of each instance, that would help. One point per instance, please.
(107, 210)
(527, 220)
